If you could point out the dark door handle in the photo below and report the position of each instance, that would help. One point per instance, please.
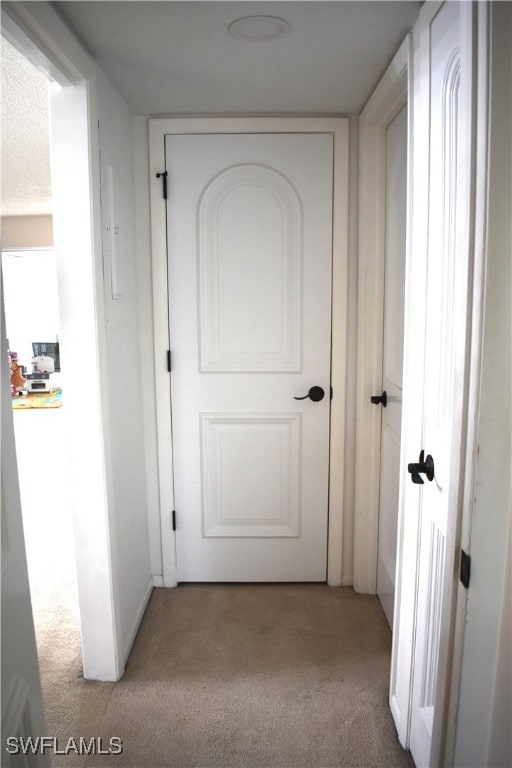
(425, 466)
(315, 394)
(380, 399)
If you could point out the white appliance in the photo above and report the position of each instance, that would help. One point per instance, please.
(38, 382)
(43, 364)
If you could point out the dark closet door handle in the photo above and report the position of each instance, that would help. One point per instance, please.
(380, 399)
(315, 394)
(424, 466)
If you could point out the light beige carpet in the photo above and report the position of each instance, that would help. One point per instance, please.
(248, 676)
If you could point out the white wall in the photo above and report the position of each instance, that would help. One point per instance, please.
(126, 391)
(483, 732)
(82, 357)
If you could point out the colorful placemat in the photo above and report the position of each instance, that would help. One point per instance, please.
(51, 399)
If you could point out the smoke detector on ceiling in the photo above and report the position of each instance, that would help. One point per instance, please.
(259, 28)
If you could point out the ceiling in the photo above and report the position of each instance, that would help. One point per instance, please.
(178, 57)
(25, 153)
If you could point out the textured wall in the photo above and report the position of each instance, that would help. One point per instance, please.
(24, 138)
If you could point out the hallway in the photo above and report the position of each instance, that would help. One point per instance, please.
(220, 675)
(245, 676)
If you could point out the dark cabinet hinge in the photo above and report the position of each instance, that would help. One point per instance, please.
(174, 519)
(169, 360)
(465, 568)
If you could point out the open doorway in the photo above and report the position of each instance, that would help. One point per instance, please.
(32, 320)
(75, 192)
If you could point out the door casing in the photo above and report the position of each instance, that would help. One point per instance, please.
(392, 364)
(338, 127)
(389, 97)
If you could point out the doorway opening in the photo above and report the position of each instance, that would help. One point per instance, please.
(237, 127)
(75, 180)
(38, 391)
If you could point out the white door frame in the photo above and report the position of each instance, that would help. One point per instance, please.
(479, 24)
(338, 127)
(475, 49)
(41, 35)
(389, 97)
(480, 693)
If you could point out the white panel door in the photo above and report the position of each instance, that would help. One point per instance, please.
(396, 188)
(250, 256)
(447, 94)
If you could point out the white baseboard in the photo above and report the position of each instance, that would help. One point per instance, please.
(158, 581)
(137, 620)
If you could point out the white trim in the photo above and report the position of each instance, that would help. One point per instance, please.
(137, 618)
(27, 30)
(444, 745)
(349, 462)
(387, 100)
(145, 295)
(338, 127)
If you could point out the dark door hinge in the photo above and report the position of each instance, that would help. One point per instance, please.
(169, 360)
(163, 174)
(174, 519)
(465, 568)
